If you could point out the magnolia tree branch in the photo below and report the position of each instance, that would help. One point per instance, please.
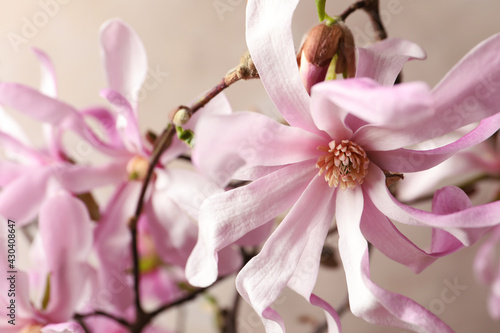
(245, 70)
(352, 8)
(371, 7)
(373, 10)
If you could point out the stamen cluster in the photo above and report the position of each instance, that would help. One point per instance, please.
(344, 164)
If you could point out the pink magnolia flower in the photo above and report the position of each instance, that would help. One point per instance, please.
(48, 295)
(173, 200)
(351, 131)
(170, 210)
(28, 171)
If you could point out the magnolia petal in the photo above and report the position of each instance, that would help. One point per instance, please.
(41, 107)
(494, 297)
(126, 120)
(386, 109)
(304, 277)
(48, 84)
(19, 151)
(11, 127)
(24, 307)
(484, 263)
(48, 110)
(384, 60)
(10, 171)
(67, 247)
(270, 42)
(174, 232)
(327, 115)
(106, 125)
(124, 59)
(112, 239)
(408, 160)
(187, 188)
(367, 300)
(255, 172)
(21, 199)
(392, 106)
(226, 217)
(469, 92)
(249, 139)
(82, 178)
(382, 233)
(266, 275)
(459, 223)
(68, 327)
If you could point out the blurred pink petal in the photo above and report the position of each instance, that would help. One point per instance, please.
(384, 60)
(67, 247)
(112, 239)
(68, 327)
(48, 84)
(124, 59)
(20, 200)
(81, 178)
(127, 123)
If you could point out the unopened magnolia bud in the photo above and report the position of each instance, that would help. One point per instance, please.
(323, 47)
(137, 168)
(182, 116)
(244, 71)
(346, 63)
(247, 68)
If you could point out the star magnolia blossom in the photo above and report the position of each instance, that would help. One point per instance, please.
(28, 172)
(351, 131)
(172, 205)
(59, 254)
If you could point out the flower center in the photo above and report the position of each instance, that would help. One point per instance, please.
(137, 168)
(344, 164)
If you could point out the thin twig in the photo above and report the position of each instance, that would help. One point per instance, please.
(352, 8)
(161, 144)
(233, 314)
(121, 321)
(372, 8)
(186, 298)
(82, 324)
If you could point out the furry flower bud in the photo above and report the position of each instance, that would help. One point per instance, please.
(326, 46)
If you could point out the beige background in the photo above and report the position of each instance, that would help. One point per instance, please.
(196, 46)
